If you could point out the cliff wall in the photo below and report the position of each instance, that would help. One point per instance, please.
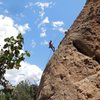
(73, 72)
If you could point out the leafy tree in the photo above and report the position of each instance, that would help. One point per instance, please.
(25, 91)
(33, 91)
(11, 56)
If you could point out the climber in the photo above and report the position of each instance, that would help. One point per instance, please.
(51, 46)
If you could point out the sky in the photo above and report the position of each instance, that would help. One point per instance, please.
(39, 21)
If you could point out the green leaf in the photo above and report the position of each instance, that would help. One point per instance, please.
(12, 38)
(6, 39)
(17, 53)
(5, 46)
(17, 65)
(22, 54)
(12, 47)
(20, 47)
(19, 36)
(22, 58)
(27, 53)
(6, 52)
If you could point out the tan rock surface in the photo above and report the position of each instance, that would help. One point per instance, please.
(73, 73)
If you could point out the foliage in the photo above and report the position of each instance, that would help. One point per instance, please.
(11, 56)
(23, 91)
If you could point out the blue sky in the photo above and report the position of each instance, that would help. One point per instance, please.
(39, 21)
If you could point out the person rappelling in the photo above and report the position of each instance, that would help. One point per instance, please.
(51, 46)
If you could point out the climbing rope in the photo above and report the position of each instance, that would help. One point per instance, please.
(53, 43)
(49, 55)
(56, 39)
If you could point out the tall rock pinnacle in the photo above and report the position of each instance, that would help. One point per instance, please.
(73, 72)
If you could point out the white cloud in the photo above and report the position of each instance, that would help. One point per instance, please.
(42, 6)
(44, 22)
(59, 26)
(45, 42)
(42, 27)
(58, 23)
(42, 13)
(9, 28)
(33, 43)
(30, 4)
(26, 72)
(22, 29)
(61, 29)
(43, 32)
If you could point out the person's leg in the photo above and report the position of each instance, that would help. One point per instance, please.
(53, 48)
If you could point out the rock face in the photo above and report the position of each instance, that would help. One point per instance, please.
(73, 73)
